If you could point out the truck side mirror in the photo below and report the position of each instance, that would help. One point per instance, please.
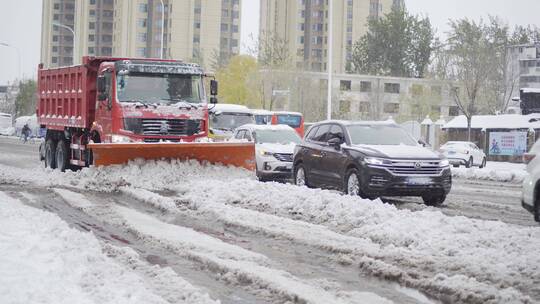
(213, 87)
(101, 88)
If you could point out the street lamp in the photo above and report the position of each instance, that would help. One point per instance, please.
(72, 32)
(329, 66)
(162, 27)
(18, 55)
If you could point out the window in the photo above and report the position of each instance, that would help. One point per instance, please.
(311, 133)
(392, 88)
(240, 134)
(196, 39)
(92, 12)
(224, 27)
(56, 17)
(141, 22)
(91, 51)
(365, 86)
(322, 133)
(234, 42)
(453, 111)
(143, 7)
(392, 108)
(363, 107)
(436, 90)
(92, 2)
(344, 106)
(91, 25)
(336, 132)
(54, 59)
(197, 25)
(57, 6)
(235, 28)
(141, 52)
(141, 37)
(345, 85)
(235, 14)
(55, 49)
(107, 13)
(417, 90)
(224, 13)
(107, 25)
(106, 38)
(55, 38)
(91, 38)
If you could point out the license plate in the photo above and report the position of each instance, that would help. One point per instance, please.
(288, 166)
(419, 181)
(451, 152)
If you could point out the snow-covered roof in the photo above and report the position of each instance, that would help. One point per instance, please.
(228, 108)
(262, 112)
(266, 127)
(506, 121)
(287, 113)
(531, 90)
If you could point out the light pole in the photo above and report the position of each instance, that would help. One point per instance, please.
(18, 55)
(329, 66)
(72, 32)
(162, 27)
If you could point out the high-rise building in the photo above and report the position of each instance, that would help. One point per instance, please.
(57, 41)
(523, 67)
(203, 31)
(303, 24)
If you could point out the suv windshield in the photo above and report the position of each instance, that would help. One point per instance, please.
(379, 135)
(231, 121)
(159, 88)
(277, 137)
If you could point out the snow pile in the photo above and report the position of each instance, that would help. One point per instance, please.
(494, 171)
(45, 261)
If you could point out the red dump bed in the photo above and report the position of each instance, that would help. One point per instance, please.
(67, 95)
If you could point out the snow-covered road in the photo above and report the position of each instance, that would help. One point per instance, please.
(184, 230)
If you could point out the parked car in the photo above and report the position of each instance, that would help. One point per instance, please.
(530, 197)
(464, 153)
(274, 147)
(370, 159)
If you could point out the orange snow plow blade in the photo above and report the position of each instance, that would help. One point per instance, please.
(229, 154)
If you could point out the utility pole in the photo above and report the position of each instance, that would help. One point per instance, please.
(329, 66)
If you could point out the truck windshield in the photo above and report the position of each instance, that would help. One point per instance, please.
(231, 121)
(379, 135)
(292, 121)
(159, 88)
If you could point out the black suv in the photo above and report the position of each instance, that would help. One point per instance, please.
(370, 159)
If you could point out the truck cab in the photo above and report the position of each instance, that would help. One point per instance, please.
(150, 101)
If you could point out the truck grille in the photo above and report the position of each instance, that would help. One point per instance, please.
(163, 127)
(284, 157)
(415, 167)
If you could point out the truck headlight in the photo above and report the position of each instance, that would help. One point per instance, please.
(117, 139)
(377, 161)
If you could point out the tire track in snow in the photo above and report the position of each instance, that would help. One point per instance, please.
(232, 260)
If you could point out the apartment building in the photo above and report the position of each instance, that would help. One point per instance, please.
(303, 24)
(191, 30)
(57, 41)
(523, 67)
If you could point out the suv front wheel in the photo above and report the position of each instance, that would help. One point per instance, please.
(352, 183)
(300, 178)
(434, 200)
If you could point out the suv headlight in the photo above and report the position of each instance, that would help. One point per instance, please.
(377, 161)
(266, 153)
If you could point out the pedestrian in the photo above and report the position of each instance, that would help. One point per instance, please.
(25, 132)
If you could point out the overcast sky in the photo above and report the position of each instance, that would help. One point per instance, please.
(20, 23)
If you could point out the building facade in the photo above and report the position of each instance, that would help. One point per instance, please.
(359, 97)
(57, 42)
(192, 30)
(303, 25)
(523, 67)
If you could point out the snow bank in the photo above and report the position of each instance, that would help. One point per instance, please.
(45, 261)
(494, 171)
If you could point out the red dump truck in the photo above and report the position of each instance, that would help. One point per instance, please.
(111, 110)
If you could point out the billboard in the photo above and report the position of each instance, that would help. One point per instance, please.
(507, 143)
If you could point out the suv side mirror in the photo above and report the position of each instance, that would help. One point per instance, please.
(213, 87)
(335, 142)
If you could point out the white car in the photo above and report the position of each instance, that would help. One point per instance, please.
(274, 148)
(464, 153)
(530, 196)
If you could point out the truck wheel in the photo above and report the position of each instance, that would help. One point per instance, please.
(50, 153)
(434, 200)
(61, 155)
